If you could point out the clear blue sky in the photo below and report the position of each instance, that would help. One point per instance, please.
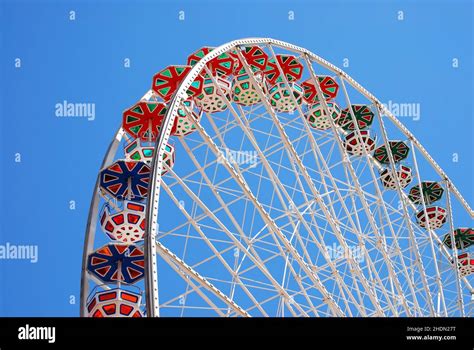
(83, 61)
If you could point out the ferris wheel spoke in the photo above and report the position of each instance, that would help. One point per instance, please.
(375, 300)
(210, 244)
(307, 298)
(269, 221)
(431, 234)
(409, 223)
(250, 244)
(370, 161)
(280, 189)
(195, 288)
(351, 171)
(365, 283)
(341, 199)
(277, 123)
(308, 64)
(293, 155)
(414, 141)
(186, 271)
(455, 251)
(254, 256)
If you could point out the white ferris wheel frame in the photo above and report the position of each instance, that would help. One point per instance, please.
(154, 247)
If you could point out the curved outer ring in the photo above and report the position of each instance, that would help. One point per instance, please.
(151, 273)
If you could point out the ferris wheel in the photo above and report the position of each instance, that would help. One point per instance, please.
(258, 179)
